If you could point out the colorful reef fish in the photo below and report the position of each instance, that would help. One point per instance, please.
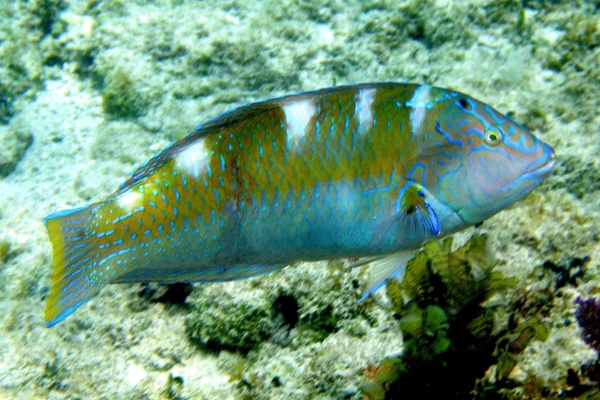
(366, 171)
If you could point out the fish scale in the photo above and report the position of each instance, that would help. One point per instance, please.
(371, 170)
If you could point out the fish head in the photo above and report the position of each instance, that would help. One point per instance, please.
(478, 161)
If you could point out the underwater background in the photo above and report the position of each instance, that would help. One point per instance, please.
(91, 89)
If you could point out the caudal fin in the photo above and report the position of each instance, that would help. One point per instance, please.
(72, 261)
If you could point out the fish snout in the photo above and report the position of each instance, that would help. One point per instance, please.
(545, 164)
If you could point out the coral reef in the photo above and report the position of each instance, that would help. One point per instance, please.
(91, 89)
(271, 307)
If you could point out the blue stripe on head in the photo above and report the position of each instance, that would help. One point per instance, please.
(494, 115)
(447, 136)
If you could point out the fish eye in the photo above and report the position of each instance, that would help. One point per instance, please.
(493, 138)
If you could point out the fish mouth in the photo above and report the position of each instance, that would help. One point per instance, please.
(512, 191)
(544, 168)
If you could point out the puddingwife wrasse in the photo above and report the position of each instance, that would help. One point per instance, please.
(365, 171)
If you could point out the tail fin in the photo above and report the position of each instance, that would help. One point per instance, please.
(72, 262)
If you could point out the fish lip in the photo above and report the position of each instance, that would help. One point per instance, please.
(543, 169)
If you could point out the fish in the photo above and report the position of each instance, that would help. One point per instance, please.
(368, 171)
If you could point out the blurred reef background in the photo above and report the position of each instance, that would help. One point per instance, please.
(90, 89)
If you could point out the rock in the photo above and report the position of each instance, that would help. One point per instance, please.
(13, 145)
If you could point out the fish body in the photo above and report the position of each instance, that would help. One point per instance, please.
(356, 171)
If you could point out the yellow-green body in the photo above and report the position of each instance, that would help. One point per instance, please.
(356, 171)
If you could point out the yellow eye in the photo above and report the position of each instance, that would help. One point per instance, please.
(493, 138)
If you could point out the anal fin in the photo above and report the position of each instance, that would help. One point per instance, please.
(196, 274)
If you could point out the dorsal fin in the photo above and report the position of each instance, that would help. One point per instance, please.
(224, 121)
(241, 113)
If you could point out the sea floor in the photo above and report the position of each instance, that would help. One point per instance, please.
(89, 90)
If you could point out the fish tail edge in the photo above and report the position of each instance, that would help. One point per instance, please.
(71, 262)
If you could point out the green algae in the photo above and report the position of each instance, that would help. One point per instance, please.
(431, 325)
(13, 145)
(121, 141)
(172, 389)
(450, 334)
(271, 307)
(471, 333)
(450, 278)
(119, 96)
(5, 247)
(5, 104)
(229, 57)
(234, 323)
(319, 335)
(578, 178)
(22, 44)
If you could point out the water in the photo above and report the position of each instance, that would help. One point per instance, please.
(88, 91)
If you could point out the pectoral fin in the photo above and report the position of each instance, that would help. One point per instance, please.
(416, 211)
